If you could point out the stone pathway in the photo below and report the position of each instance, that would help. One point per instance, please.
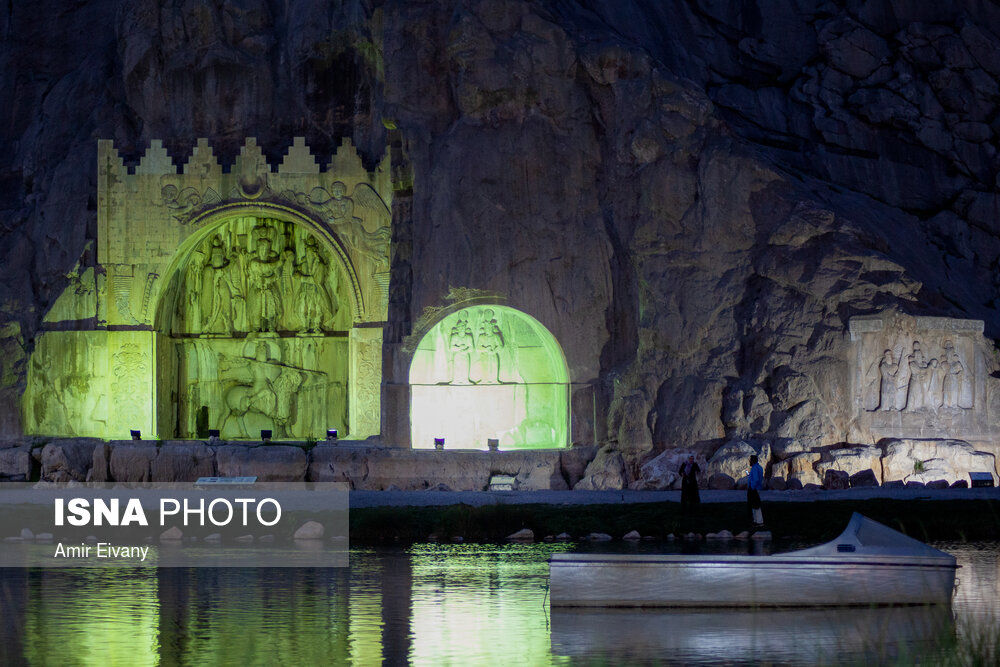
(360, 499)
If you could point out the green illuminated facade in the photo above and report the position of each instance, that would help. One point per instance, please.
(489, 371)
(255, 298)
(242, 300)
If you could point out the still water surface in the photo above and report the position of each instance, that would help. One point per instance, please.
(439, 605)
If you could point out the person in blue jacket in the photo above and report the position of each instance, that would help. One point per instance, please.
(755, 482)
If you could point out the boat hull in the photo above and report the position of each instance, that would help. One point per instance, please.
(581, 580)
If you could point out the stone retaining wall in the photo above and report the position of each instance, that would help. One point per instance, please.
(362, 465)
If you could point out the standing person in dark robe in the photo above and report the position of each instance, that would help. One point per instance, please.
(689, 484)
(755, 482)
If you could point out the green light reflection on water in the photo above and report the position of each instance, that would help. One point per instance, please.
(430, 604)
(471, 602)
(114, 618)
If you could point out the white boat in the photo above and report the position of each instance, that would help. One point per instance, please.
(869, 564)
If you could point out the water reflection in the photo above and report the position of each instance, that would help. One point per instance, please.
(754, 637)
(436, 604)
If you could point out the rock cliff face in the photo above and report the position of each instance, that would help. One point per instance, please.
(693, 196)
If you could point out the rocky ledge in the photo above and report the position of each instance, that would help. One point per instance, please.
(360, 464)
(890, 461)
(369, 466)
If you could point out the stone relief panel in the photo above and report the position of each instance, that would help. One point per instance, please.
(361, 221)
(296, 387)
(489, 372)
(90, 383)
(366, 360)
(268, 273)
(146, 214)
(919, 377)
(256, 275)
(67, 385)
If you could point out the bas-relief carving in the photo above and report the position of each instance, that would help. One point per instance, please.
(360, 220)
(292, 386)
(366, 356)
(257, 315)
(252, 277)
(89, 383)
(183, 201)
(67, 385)
(477, 358)
(488, 372)
(919, 376)
(259, 276)
(130, 366)
(150, 212)
(919, 383)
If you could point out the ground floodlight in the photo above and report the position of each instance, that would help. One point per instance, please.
(136, 435)
(439, 443)
(265, 434)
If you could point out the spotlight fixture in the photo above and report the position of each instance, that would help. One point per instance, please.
(439, 444)
(981, 480)
(493, 444)
(136, 435)
(265, 434)
(213, 433)
(331, 435)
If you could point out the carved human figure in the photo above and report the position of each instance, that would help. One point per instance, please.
(237, 285)
(316, 305)
(954, 376)
(373, 245)
(460, 346)
(341, 206)
(285, 387)
(888, 370)
(489, 343)
(271, 392)
(216, 294)
(190, 308)
(918, 395)
(264, 273)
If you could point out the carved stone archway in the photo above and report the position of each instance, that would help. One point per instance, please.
(254, 328)
(489, 371)
(117, 348)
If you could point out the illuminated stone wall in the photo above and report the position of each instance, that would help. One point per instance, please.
(91, 383)
(489, 371)
(922, 377)
(241, 300)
